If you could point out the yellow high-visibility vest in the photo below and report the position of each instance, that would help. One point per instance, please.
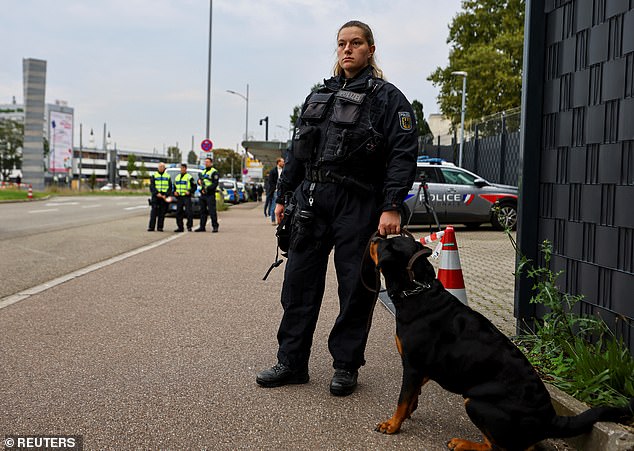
(183, 183)
(161, 181)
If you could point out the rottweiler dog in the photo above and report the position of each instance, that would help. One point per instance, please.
(441, 339)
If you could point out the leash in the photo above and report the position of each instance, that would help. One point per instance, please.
(277, 262)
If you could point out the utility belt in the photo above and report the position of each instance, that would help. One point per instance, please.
(322, 175)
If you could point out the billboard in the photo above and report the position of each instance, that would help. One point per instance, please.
(60, 132)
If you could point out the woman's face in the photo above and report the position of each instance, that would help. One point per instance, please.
(353, 51)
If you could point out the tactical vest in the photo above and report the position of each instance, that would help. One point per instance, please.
(183, 183)
(337, 131)
(207, 175)
(161, 182)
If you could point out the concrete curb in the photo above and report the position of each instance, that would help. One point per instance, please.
(604, 436)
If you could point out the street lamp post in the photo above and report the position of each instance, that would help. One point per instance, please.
(246, 129)
(246, 98)
(266, 133)
(81, 147)
(462, 74)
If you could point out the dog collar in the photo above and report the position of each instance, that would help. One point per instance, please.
(419, 289)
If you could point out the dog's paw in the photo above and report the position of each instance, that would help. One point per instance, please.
(388, 427)
(458, 444)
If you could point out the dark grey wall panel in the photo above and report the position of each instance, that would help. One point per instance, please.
(598, 44)
(613, 86)
(583, 51)
(595, 124)
(628, 32)
(615, 7)
(626, 119)
(610, 157)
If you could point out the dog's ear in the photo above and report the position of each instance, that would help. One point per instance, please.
(421, 267)
(426, 251)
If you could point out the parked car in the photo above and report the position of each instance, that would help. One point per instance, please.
(243, 193)
(108, 187)
(230, 188)
(460, 196)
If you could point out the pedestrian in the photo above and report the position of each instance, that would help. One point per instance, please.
(274, 176)
(208, 181)
(184, 187)
(258, 191)
(161, 188)
(351, 164)
(269, 195)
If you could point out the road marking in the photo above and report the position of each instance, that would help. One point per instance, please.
(91, 206)
(136, 208)
(25, 294)
(43, 211)
(57, 204)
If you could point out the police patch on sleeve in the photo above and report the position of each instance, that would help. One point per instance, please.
(405, 119)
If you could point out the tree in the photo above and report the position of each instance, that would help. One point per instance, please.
(131, 166)
(424, 132)
(174, 154)
(92, 181)
(227, 161)
(11, 143)
(192, 158)
(487, 40)
(143, 172)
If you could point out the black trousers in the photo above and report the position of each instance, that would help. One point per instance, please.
(343, 220)
(157, 213)
(184, 203)
(208, 207)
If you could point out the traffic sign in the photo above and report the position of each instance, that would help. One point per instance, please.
(206, 145)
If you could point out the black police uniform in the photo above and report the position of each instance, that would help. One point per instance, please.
(352, 157)
(209, 183)
(159, 183)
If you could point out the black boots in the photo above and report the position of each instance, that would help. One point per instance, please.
(279, 375)
(343, 382)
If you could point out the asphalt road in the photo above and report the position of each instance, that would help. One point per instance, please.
(160, 350)
(59, 212)
(42, 240)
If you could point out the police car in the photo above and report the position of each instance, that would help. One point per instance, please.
(230, 190)
(460, 197)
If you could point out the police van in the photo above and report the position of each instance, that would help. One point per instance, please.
(459, 196)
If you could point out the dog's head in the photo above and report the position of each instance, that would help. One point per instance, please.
(403, 262)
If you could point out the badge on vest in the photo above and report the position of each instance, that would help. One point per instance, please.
(405, 119)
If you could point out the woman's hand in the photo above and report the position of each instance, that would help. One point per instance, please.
(279, 212)
(390, 223)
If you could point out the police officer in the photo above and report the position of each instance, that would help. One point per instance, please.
(184, 187)
(160, 187)
(351, 164)
(208, 180)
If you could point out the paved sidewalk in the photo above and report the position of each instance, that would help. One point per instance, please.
(160, 351)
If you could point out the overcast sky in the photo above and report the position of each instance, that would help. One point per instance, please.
(140, 66)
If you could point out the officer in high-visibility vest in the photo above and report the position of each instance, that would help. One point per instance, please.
(161, 188)
(208, 181)
(184, 187)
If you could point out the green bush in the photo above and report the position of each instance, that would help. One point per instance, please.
(576, 353)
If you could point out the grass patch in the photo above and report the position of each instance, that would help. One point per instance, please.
(576, 353)
(17, 194)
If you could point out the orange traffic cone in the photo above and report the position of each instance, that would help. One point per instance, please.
(30, 195)
(450, 271)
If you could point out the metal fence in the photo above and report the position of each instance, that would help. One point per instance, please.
(491, 148)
